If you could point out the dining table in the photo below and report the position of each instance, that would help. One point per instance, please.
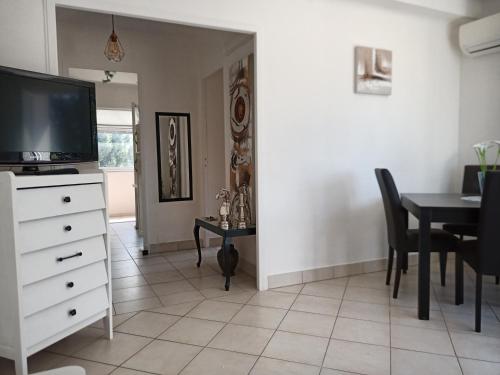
(436, 208)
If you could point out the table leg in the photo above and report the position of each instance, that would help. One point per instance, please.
(196, 232)
(459, 279)
(424, 265)
(226, 248)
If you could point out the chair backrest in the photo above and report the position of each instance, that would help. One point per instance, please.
(489, 226)
(396, 216)
(470, 183)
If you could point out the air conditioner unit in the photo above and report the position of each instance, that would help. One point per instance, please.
(480, 37)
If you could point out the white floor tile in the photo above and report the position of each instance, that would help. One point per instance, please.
(358, 358)
(406, 362)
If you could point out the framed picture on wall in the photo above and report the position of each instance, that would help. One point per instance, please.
(373, 71)
(173, 145)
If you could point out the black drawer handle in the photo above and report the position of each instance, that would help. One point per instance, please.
(72, 312)
(71, 284)
(79, 254)
(67, 199)
(68, 228)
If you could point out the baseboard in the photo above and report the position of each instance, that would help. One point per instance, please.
(166, 247)
(215, 242)
(332, 272)
(247, 267)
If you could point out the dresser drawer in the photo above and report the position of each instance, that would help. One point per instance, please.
(39, 265)
(53, 320)
(43, 233)
(50, 292)
(39, 203)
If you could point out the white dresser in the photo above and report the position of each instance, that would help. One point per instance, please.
(54, 260)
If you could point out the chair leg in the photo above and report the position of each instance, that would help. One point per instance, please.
(497, 280)
(405, 263)
(459, 279)
(390, 263)
(399, 267)
(443, 258)
(479, 287)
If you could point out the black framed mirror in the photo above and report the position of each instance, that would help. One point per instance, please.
(173, 144)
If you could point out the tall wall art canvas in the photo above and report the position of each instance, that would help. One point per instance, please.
(373, 70)
(241, 116)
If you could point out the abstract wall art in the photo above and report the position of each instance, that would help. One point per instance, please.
(373, 71)
(241, 117)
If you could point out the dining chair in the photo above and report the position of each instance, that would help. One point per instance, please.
(401, 239)
(470, 186)
(482, 254)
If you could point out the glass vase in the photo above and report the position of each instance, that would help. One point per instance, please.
(481, 176)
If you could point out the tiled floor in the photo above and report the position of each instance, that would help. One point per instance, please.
(172, 318)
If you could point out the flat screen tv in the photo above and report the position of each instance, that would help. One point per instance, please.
(46, 119)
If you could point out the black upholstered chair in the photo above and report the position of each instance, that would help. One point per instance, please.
(470, 186)
(401, 239)
(483, 254)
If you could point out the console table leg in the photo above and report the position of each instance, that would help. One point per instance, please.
(226, 248)
(196, 232)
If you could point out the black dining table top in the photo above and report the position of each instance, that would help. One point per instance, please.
(445, 207)
(445, 200)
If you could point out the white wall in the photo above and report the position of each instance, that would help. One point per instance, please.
(479, 98)
(490, 7)
(213, 109)
(22, 35)
(470, 8)
(109, 95)
(317, 141)
(479, 104)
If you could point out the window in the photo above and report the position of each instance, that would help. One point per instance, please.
(114, 138)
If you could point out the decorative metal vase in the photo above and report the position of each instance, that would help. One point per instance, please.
(234, 257)
(224, 210)
(240, 208)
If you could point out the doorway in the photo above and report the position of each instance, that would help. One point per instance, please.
(117, 138)
(172, 61)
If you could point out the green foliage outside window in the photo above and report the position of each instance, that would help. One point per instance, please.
(115, 150)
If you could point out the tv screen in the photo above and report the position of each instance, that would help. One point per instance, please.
(46, 119)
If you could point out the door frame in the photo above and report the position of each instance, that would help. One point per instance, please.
(50, 31)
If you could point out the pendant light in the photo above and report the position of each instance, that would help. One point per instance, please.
(114, 50)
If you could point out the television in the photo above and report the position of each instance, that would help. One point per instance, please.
(46, 119)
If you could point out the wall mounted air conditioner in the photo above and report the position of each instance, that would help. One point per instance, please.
(480, 37)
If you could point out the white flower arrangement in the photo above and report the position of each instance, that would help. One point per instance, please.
(481, 150)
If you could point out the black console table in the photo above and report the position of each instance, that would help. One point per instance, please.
(212, 225)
